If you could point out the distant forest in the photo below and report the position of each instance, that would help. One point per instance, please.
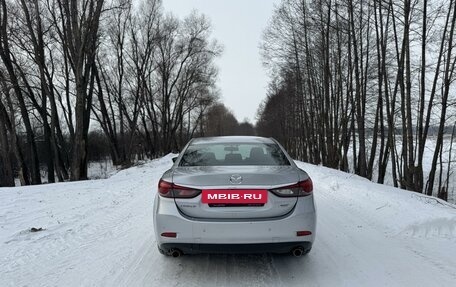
(82, 80)
(362, 86)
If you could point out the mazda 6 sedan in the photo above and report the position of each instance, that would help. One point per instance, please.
(236, 194)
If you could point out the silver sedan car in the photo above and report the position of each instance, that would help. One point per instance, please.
(236, 194)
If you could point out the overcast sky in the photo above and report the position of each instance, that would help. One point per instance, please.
(237, 25)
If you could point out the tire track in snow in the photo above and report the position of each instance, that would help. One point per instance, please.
(88, 224)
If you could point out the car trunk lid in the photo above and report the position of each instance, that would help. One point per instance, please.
(235, 180)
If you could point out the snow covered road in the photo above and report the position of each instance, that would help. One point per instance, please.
(100, 233)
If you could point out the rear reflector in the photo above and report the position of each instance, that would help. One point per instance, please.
(303, 233)
(169, 234)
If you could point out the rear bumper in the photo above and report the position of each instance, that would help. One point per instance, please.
(197, 234)
(282, 247)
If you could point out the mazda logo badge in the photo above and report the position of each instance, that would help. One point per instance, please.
(236, 179)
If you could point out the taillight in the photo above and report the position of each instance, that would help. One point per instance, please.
(301, 233)
(302, 188)
(167, 189)
(169, 234)
(307, 185)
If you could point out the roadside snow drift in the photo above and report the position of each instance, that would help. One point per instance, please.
(100, 233)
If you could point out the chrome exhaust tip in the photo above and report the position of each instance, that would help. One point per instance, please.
(297, 251)
(175, 253)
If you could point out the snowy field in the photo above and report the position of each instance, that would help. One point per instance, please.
(427, 163)
(100, 233)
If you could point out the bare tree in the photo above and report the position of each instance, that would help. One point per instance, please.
(79, 27)
(145, 79)
(348, 75)
(13, 78)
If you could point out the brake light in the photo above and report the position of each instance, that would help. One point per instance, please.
(302, 188)
(170, 190)
(164, 188)
(307, 185)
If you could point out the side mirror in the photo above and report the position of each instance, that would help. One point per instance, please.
(174, 159)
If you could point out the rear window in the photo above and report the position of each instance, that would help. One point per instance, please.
(222, 154)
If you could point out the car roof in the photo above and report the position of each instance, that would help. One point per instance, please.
(232, 139)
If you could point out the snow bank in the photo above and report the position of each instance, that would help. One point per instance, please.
(394, 210)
